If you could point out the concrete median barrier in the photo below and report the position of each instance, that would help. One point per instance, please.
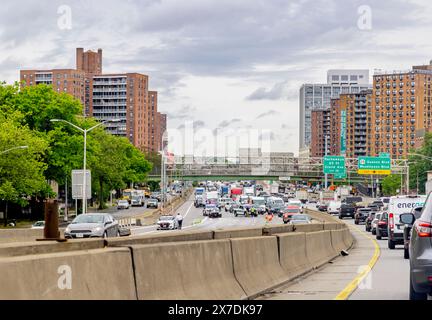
(201, 270)
(319, 248)
(256, 264)
(347, 237)
(311, 227)
(292, 251)
(333, 226)
(100, 274)
(337, 239)
(30, 248)
(273, 230)
(17, 235)
(169, 236)
(237, 233)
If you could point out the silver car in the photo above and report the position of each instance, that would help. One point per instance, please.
(300, 219)
(93, 225)
(167, 223)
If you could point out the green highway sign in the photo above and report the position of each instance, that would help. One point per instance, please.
(340, 176)
(343, 132)
(334, 165)
(374, 165)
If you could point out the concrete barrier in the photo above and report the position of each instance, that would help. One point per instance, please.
(337, 239)
(273, 230)
(174, 236)
(347, 237)
(312, 227)
(30, 248)
(17, 235)
(189, 270)
(256, 264)
(333, 226)
(79, 275)
(292, 251)
(319, 248)
(237, 233)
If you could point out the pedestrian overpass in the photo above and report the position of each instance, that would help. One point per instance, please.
(262, 168)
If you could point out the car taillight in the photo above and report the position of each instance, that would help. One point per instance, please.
(424, 229)
(382, 223)
(391, 221)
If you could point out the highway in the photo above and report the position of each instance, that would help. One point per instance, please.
(194, 220)
(388, 278)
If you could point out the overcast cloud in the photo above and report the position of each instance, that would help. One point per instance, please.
(213, 61)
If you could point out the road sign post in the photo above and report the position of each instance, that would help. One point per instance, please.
(77, 184)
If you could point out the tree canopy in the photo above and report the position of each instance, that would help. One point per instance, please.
(55, 149)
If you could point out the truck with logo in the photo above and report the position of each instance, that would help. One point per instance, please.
(398, 205)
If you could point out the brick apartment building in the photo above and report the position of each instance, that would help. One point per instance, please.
(62, 80)
(401, 104)
(320, 124)
(123, 96)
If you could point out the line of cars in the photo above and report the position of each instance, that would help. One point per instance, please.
(407, 221)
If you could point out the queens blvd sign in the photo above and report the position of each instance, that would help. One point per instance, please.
(374, 165)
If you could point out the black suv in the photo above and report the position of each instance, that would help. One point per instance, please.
(347, 210)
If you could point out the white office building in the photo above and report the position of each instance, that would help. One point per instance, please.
(318, 96)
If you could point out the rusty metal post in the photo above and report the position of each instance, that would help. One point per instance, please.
(51, 230)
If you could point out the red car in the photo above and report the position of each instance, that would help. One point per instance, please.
(288, 212)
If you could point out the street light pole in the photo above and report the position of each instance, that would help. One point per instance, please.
(85, 131)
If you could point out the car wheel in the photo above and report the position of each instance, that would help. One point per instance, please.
(118, 233)
(391, 244)
(414, 295)
(378, 237)
(340, 217)
(373, 232)
(105, 235)
(406, 253)
(356, 222)
(236, 215)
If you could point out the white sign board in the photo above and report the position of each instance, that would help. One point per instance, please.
(428, 186)
(77, 184)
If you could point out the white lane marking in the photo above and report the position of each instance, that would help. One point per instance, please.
(187, 212)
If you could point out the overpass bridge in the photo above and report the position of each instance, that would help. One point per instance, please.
(262, 168)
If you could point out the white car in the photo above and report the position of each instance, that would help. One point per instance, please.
(38, 225)
(167, 223)
(122, 204)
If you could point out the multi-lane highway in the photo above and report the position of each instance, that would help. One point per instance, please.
(371, 271)
(194, 219)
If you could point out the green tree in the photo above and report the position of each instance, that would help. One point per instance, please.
(21, 171)
(391, 184)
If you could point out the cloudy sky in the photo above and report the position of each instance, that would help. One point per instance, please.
(233, 65)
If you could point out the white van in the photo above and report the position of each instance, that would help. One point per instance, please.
(295, 202)
(333, 207)
(396, 206)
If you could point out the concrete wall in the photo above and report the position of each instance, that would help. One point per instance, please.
(95, 274)
(256, 264)
(174, 265)
(192, 270)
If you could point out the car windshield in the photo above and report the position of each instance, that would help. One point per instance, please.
(39, 223)
(167, 218)
(210, 206)
(88, 218)
(292, 210)
(151, 200)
